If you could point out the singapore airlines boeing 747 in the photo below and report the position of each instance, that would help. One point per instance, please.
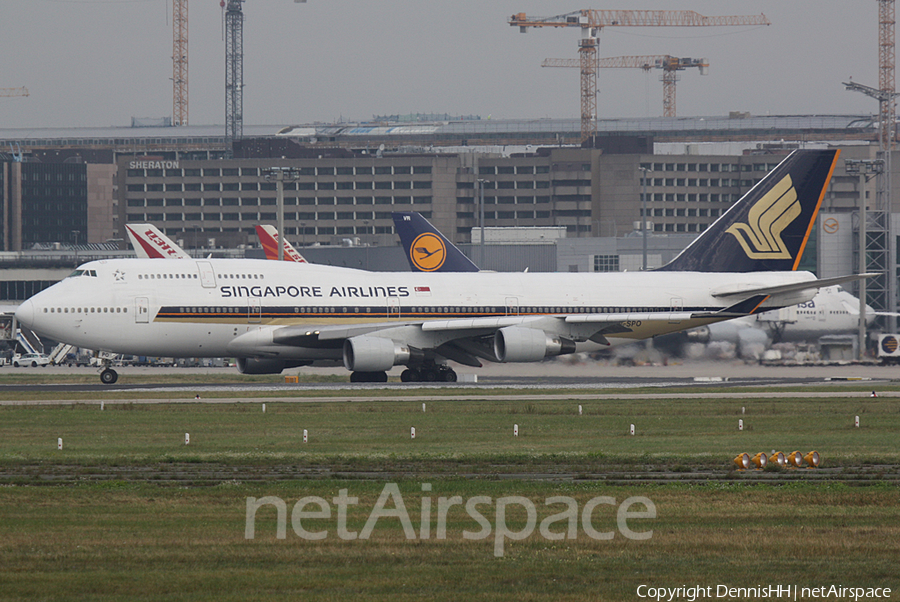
(275, 315)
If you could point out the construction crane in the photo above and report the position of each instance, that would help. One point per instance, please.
(180, 62)
(887, 65)
(234, 71)
(876, 234)
(592, 21)
(669, 64)
(11, 92)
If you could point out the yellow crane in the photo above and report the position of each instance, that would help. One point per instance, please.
(592, 21)
(10, 92)
(669, 64)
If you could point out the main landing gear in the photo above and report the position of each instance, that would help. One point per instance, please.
(368, 377)
(428, 374)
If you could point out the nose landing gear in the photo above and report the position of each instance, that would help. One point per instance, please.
(108, 376)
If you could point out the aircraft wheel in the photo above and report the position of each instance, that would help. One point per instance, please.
(448, 376)
(410, 375)
(108, 377)
(368, 377)
(430, 376)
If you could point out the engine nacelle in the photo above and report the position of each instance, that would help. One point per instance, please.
(373, 354)
(247, 365)
(517, 344)
(752, 343)
(701, 334)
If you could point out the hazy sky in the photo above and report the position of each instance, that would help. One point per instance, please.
(101, 62)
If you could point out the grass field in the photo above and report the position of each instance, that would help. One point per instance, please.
(700, 431)
(142, 542)
(148, 539)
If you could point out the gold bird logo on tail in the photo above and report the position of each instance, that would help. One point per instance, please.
(761, 237)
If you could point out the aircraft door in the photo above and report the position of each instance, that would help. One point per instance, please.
(207, 275)
(512, 306)
(820, 312)
(254, 311)
(676, 304)
(141, 310)
(393, 308)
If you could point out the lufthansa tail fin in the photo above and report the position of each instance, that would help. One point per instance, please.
(426, 248)
(150, 243)
(269, 239)
(768, 228)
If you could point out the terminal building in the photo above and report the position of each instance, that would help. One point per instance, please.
(75, 189)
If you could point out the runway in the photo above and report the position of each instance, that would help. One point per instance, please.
(555, 380)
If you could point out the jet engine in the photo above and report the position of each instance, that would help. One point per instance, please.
(752, 343)
(266, 366)
(374, 354)
(516, 344)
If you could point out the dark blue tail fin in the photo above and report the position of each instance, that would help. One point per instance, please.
(426, 249)
(768, 228)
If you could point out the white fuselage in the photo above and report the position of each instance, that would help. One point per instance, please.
(196, 308)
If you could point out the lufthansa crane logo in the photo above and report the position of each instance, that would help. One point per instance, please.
(761, 236)
(428, 252)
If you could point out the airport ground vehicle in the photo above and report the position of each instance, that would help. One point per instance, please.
(30, 359)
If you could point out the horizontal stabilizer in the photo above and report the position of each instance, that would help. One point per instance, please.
(748, 291)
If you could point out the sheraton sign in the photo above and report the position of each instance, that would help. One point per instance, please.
(154, 165)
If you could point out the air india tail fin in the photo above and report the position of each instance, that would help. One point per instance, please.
(269, 239)
(767, 229)
(150, 243)
(426, 248)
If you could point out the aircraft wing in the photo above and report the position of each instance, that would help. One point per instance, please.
(465, 340)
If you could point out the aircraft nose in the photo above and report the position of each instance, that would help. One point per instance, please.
(25, 313)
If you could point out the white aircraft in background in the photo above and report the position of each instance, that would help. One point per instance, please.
(150, 243)
(275, 315)
(832, 311)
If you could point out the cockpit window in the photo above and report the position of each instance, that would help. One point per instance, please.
(77, 273)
